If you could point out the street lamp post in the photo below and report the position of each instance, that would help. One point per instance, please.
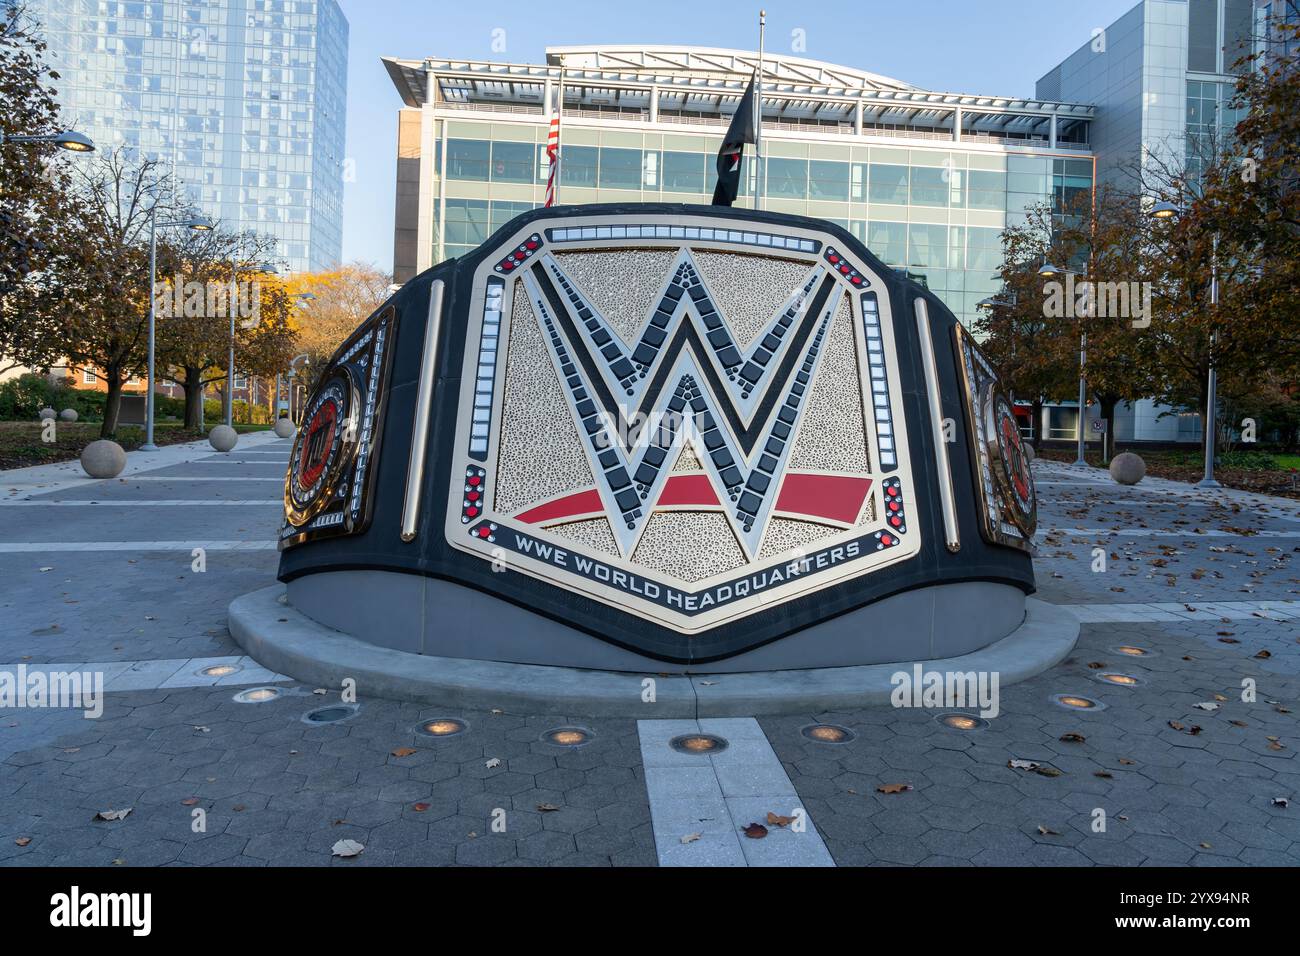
(304, 298)
(1050, 271)
(270, 269)
(70, 140)
(1166, 210)
(199, 224)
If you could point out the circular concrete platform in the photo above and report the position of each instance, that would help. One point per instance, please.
(282, 639)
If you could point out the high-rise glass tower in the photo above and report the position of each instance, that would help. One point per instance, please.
(243, 101)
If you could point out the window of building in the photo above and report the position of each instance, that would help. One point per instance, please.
(927, 246)
(468, 159)
(828, 180)
(620, 168)
(241, 381)
(88, 377)
(1202, 35)
(986, 189)
(512, 162)
(888, 240)
(983, 249)
(650, 169)
(466, 226)
(684, 172)
(787, 178)
(578, 165)
(858, 182)
(930, 185)
(888, 184)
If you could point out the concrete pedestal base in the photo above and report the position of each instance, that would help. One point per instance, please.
(287, 641)
(424, 615)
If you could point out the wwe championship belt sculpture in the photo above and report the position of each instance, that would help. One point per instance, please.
(656, 435)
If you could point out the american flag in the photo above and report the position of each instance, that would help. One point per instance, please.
(552, 157)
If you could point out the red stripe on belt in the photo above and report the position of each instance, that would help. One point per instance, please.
(834, 497)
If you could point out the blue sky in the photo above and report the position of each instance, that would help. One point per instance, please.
(996, 47)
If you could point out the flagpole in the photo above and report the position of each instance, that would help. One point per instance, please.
(758, 113)
(559, 115)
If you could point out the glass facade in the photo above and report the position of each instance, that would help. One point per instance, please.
(242, 101)
(936, 213)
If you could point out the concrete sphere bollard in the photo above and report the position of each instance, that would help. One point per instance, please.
(68, 415)
(1127, 468)
(223, 437)
(284, 428)
(103, 459)
(45, 413)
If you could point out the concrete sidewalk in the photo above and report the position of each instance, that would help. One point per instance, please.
(45, 479)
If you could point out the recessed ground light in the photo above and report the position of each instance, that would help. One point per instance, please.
(828, 733)
(568, 736)
(1076, 702)
(220, 670)
(443, 727)
(257, 695)
(698, 744)
(962, 721)
(330, 715)
(1120, 680)
(1131, 651)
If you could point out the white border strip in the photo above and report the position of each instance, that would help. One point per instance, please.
(952, 536)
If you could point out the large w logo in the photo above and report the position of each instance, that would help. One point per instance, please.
(688, 378)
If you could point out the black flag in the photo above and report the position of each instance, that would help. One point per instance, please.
(741, 131)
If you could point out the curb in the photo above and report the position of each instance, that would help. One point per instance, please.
(284, 640)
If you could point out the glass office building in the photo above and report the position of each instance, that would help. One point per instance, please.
(928, 180)
(1162, 78)
(243, 101)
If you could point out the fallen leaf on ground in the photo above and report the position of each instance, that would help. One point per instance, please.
(1045, 831)
(547, 807)
(691, 837)
(893, 788)
(347, 848)
(1022, 765)
(755, 831)
(23, 841)
(403, 751)
(1282, 802)
(1126, 762)
(493, 763)
(1073, 738)
(419, 807)
(1206, 705)
(189, 801)
(1105, 774)
(113, 814)
(779, 821)
(320, 690)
